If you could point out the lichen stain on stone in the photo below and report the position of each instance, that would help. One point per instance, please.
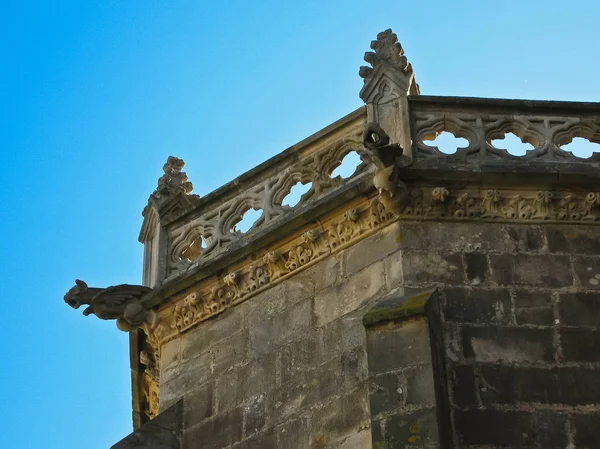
(415, 305)
(320, 441)
(380, 445)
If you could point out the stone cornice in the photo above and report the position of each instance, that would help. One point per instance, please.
(359, 218)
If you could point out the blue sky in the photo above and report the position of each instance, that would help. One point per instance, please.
(95, 95)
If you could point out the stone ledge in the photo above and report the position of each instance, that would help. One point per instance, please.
(162, 432)
(397, 308)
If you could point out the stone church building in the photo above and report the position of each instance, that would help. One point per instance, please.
(428, 300)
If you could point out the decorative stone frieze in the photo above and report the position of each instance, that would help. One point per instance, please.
(348, 226)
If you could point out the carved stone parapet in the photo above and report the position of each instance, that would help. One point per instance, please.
(482, 121)
(211, 232)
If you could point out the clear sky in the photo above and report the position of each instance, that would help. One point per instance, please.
(96, 94)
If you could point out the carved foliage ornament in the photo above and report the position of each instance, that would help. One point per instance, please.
(494, 204)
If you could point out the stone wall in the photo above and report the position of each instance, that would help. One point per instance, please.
(287, 368)
(520, 311)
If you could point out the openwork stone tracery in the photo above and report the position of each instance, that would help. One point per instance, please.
(547, 133)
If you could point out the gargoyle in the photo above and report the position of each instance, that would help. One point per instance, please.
(119, 302)
(388, 159)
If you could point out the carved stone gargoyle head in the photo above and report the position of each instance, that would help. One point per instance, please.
(80, 295)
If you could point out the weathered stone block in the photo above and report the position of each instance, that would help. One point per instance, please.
(507, 343)
(392, 347)
(394, 271)
(420, 386)
(199, 405)
(189, 374)
(542, 317)
(580, 345)
(354, 367)
(341, 335)
(335, 302)
(229, 393)
(535, 299)
(170, 356)
(580, 309)
(290, 400)
(343, 373)
(341, 417)
(477, 306)
(162, 432)
(218, 432)
(293, 434)
(416, 429)
(297, 357)
(430, 267)
(398, 308)
(552, 429)
(534, 308)
(573, 239)
(372, 249)
(270, 302)
(387, 392)
(326, 273)
(265, 440)
(210, 332)
(478, 270)
(559, 385)
(255, 415)
(586, 430)
(526, 238)
(532, 270)
(268, 333)
(236, 386)
(496, 427)
(587, 270)
(455, 237)
(229, 352)
(361, 439)
(463, 386)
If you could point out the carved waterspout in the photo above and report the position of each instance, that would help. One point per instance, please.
(388, 159)
(119, 302)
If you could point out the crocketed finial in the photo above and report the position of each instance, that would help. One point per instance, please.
(388, 54)
(173, 180)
